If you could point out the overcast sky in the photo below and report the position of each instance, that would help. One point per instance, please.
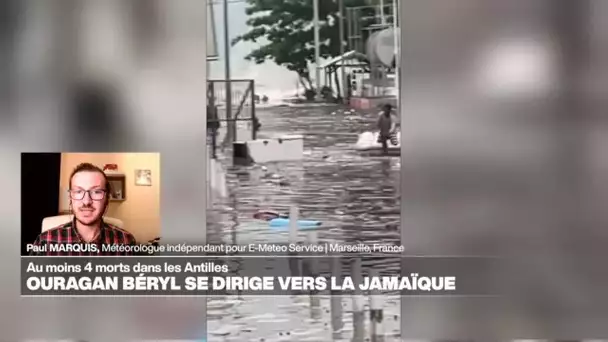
(269, 77)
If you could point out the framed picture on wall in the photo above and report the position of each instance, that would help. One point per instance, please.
(118, 186)
(143, 177)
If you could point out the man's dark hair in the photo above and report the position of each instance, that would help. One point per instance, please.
(88, 167)
(387, 107)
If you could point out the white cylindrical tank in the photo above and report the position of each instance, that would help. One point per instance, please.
(381, 47)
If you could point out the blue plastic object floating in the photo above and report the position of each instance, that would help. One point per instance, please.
(283, 224)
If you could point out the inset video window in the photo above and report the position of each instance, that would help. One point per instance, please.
(89, 204)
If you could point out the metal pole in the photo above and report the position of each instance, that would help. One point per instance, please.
(396, 36)
(337, 322)
(212, 113)
(254, 119)
(230, 124)
(349, 43)
(358, 305)
(312, 271)
(342, 68)
(295, 265)
(376, 314)
(315, 5)
(382, 17)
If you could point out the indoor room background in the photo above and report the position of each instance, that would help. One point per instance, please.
(45, 181)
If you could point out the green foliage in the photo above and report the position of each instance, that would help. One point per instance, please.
(286, 26)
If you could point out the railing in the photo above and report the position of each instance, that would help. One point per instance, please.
(242, 109)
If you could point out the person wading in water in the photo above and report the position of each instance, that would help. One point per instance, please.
(386, 125)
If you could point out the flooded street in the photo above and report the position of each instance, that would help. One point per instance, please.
(274, 319)
(356, 198)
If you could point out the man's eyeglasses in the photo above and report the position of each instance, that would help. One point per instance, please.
(95, 194)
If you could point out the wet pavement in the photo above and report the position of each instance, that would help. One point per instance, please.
(356, 197)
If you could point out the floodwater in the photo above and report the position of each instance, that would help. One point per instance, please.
(356, 197)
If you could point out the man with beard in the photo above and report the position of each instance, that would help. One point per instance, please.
(89, 199)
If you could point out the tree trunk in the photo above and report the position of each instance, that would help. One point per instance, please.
(301, 79)
(309, 81)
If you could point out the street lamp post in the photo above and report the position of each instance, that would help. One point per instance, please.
(343, 65)
(315, 5)
(230, 125)
(396, 42)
